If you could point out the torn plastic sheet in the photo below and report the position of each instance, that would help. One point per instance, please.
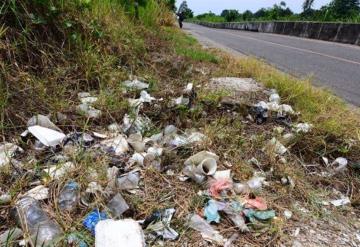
(303, 127)
(339, 164)
(88, 100)
(128, 181)
(233, 211)
(58, 171)
(39, 192)
(138, 125)
(111, 233)
(276, 146)
(42, 121)
(47, 137)
(159, 223)
(341, 202)
(117, 205)
(7, 151)
(136, 142)
(253, 215)
(207, 231)
(88, 111)
(118, 145)
(136, 84)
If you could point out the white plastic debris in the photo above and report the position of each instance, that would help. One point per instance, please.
(5, 198)
(7, 151)
(274, 98)
(93, 188)
(118, 145)
(262, 104)
(88, 111)
(286, 109)
(156, 151)
(40, 192)
(128, 181)
(83, 95)
(8, 236)
(145, 97)
(111, 233)
(136, 84)
(88, 100)
(170, 129)
(188, 89)
(42, 121)
(288, 214)
(196, 137)
(181, 101)
(58, 171)
(341, 202)
(117, 205)
(137, 158)
(47, 137)
(273, 106)
(226, 174)
(99, 135)
(303, 127)
(339, 164)
(276, 146)
(207, 231)
(256, 183)
(136, 124)
(241, 188)
(136, 142)
(162, 226)
(288, 138)
(196, 159)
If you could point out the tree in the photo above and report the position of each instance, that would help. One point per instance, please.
(247, 15)
(185, 10)
(230, 14)
(307, 5)
(344, 8)
(261, 13)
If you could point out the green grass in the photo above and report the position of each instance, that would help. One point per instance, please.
(187, 46)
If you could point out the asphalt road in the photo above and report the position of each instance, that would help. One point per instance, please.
(331, 65)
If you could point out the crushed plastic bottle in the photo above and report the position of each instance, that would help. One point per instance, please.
(43, 231)
(69, 196)
(207, 231)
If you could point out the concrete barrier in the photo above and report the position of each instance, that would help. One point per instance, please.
(336, 32)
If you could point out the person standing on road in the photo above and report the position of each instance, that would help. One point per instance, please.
(181, 18)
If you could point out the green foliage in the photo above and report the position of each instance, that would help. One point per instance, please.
(230, 14)
(336, 10)
(184, 11)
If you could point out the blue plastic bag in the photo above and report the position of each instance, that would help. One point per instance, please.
(93, 218)
(211, 212)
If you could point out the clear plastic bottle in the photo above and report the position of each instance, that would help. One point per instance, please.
(43, 230)
(69, 196)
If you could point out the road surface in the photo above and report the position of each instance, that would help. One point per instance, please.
(332, 65)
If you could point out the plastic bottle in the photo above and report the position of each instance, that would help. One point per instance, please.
(69, 196)
(43, 230)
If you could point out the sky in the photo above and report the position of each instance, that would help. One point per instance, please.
(216, 6)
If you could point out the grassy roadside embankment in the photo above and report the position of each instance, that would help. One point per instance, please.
(50, 52)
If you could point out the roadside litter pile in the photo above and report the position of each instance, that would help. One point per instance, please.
(86, 181)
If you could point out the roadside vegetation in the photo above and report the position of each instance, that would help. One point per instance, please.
(335, 11)
(52, 50)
